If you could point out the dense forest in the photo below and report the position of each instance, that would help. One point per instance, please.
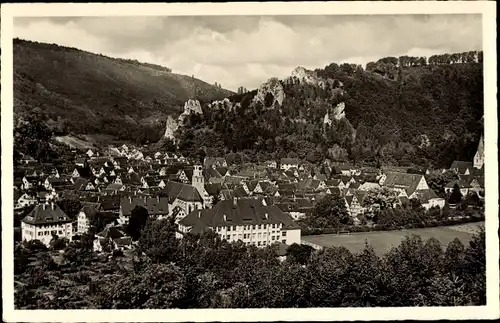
(202, 271)
(400, 111)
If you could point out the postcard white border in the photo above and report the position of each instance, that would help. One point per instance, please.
(486, 8)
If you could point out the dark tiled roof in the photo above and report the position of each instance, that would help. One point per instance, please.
(46, 214)
(462, 166)
(241, 212)
(154, 205)
(182, 191)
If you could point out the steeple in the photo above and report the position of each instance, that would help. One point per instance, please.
(479, 157)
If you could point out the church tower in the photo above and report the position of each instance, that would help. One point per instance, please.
(479, 157)
(198, 182)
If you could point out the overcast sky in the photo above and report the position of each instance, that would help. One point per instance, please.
(247, 50)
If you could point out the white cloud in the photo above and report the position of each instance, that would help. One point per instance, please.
(246, 51)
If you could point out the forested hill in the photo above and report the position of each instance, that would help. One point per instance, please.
(397, 111)
(91, 93)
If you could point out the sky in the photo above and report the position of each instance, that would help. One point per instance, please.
(247, 50)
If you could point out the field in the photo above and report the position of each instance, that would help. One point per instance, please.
(383, 241)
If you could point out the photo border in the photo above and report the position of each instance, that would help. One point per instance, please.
(486, 8)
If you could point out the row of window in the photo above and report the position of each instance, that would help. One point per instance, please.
(46, 233)
(249, 227)
(253, 236)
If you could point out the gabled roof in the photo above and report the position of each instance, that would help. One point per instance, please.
(425, 195)
(461, 166)
(46, 214)
(181, 191)
(213, 189)
(289, 161)
(154, 205)
(403, 180)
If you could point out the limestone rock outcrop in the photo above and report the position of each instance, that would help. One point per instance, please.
(272, 86)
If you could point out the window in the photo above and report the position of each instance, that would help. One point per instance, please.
(264, 243)
(284, 240)
(273, 226)
(254, 227)
(260, 227)
(258, 243)
(283, 234)
(272, 238)
(60, 232)
(39, 233)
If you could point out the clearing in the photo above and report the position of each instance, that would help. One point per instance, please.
(383, 241)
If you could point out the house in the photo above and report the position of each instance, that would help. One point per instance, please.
(54, 182)
(82, 184)
(428, 199)
(213, 162)
(345, 169)
(354, 205)
(81, 162)
(463, 186)
(461, 167)
(25, 200)
(405, 182)
(108, 236)
(90, 153)
(158, 207)
(287, 163)
(89, 214)
(271, 164)
(45, 221)
(248, 220)
(367, 186)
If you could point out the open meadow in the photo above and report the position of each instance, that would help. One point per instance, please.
(383, 241)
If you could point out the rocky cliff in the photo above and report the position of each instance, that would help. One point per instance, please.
(190, 107)
(272, 87)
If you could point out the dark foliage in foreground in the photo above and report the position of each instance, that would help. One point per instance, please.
(204, 271)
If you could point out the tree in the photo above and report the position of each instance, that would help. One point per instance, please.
(331, 212)
(137, 221)
(299, 253)
(158, 240)
(456, 195)
(384, 197)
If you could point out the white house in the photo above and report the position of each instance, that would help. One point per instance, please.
(287, 163)
(45, 221)
(250, 221)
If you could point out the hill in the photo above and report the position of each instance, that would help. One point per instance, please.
(86, 93)
(396, 112)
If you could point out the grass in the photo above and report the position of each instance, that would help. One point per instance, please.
(383, 241)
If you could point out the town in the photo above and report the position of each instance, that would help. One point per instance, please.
(256, 203)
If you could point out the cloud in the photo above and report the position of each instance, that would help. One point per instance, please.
(247, 50)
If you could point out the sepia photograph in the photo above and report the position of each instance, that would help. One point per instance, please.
(248, 160)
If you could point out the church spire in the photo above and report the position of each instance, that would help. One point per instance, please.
(479, 157)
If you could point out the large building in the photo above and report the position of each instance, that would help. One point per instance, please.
(157, 207)
(248, 220)
(45, 221)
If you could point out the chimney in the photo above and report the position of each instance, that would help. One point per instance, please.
(225, 218)
(52, 205)
(267, 216)
(199, 214)
(235, 202)
(130, 199)
(158, 198)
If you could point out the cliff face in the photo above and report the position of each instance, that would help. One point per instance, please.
(274, 87)
(190, 107)
(336, 113)
(171, 127)
(309, 77)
